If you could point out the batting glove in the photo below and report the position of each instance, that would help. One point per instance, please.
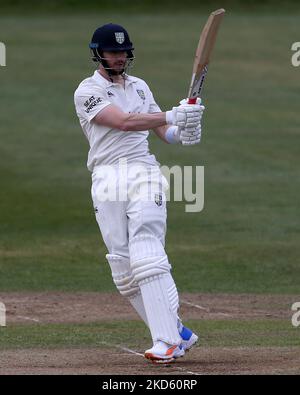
(191, 136)
(175, 134)
(184, 116)
(184, 102)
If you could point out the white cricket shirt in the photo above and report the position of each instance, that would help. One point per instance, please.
(108, 145)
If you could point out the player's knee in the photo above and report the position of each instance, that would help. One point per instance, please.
(148, 257)
(122, 275)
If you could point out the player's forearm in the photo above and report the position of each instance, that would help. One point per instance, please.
(140, 122)
(114, 118)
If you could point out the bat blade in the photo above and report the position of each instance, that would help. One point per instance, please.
(203, 53)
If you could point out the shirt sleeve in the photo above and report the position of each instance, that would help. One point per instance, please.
(89, 103)
(153, 107)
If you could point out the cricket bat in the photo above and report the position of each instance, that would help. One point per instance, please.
(203, 53)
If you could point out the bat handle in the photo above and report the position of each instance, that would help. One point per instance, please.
(192, 101)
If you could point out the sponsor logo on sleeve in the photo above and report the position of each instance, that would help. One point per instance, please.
(91, 103)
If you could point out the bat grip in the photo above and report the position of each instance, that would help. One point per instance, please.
(192, 101)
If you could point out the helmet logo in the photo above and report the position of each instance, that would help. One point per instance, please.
(120, 38)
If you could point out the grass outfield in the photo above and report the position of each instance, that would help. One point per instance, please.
(247, 237)
(264, 333)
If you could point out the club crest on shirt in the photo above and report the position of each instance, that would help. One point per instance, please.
(158, 199)
(141, 94)
(120, 38)
(110, 94)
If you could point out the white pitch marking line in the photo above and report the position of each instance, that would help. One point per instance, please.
(131, 351)
(196, 305)
(224, 314)
(28, 318)
(123, 348)
(187, 371)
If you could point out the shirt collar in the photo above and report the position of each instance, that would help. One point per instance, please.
(131, 79)
(100, 79)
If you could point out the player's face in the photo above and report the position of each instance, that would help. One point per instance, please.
(116, 60)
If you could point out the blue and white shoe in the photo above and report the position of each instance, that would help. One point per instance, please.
(162, 352)
(189, 338)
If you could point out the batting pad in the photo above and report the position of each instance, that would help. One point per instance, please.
(151, 270)
(161, 302)
(123, 279)
(122, 275)
(148, 257)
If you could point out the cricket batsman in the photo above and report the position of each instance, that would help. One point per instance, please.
(116, 112)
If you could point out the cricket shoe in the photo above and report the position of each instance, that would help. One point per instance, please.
(189, 338)
(162, 352)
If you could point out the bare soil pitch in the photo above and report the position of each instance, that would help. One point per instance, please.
(199, 361)
(91, 307)
(55, 307)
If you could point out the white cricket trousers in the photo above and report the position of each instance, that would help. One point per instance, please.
(129, 200)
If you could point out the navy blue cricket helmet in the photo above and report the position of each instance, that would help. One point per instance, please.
(111, 38)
